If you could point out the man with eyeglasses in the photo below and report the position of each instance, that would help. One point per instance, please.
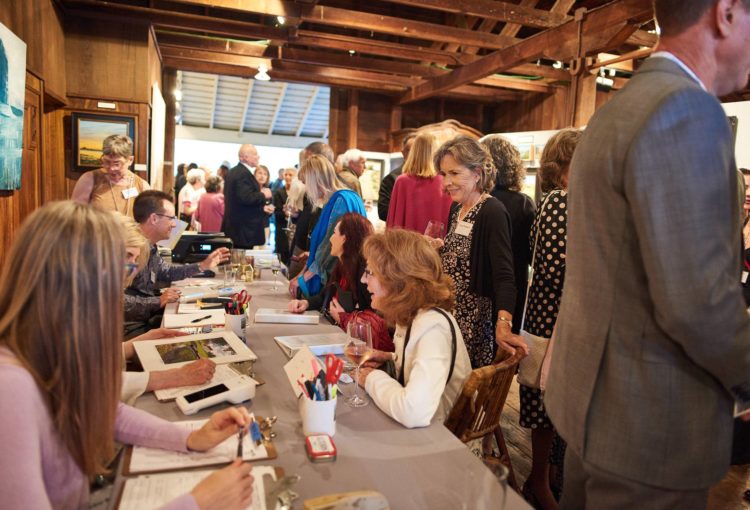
(155, 213)
(112, 187)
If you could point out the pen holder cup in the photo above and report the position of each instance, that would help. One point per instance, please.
(318, 416)
(236, 324)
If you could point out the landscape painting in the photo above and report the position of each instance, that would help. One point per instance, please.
(90, 130)
(12, 94)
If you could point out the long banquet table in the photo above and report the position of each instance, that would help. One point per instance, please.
(418, 468)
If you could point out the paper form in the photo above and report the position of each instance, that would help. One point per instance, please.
(155, 459)
(154, 491)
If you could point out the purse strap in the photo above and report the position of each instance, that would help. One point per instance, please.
(453, 348)
(533, 257)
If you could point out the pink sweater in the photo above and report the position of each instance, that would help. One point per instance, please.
(415, 201)
(210, 212)
(36, 469)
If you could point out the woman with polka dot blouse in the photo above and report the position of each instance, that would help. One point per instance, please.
(543, 302)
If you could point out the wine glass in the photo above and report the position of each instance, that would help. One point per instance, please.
(275, 268)
(435, 229)
(358, 350)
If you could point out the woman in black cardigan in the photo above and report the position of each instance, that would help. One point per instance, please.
(477, 252)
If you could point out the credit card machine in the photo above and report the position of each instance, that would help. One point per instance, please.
(235, 391)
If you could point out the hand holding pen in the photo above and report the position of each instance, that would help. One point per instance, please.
(220, 426)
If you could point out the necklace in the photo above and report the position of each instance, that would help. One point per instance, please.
(114, 200)
(465, 210)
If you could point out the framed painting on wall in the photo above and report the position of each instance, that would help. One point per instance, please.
(12, 98)
(370, 179)
(89, 131)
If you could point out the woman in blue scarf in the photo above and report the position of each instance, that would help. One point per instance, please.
(324, 190)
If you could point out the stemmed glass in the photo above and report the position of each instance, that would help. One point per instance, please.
(435, 229)
(358, 350)
(275, 268)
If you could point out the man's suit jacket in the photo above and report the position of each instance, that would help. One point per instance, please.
(386, 189)
(653, 340)
(243, 208)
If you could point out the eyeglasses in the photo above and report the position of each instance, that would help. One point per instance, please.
(113, 163)
(131, 268)
(173, 218)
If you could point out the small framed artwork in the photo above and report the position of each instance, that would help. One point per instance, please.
(89, 131)
(527, 151)
(371, 178)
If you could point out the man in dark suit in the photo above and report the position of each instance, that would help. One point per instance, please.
(245, 202)
(386, 186)
(653, 340)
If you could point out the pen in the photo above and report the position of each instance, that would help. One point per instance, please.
(255, 433)
(240, 437)
(200, 319)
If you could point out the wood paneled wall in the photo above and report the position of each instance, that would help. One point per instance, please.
(534, 113)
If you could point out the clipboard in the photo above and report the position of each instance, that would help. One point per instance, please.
(278, 472)
(271, 453)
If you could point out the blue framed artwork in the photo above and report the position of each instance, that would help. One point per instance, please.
(90, 130)
(12, 96)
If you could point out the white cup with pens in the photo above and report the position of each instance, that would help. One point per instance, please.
(235, 313)
(317, 404)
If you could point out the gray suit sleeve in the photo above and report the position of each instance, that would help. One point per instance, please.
(681, 187)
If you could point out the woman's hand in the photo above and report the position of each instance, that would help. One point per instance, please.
(192, 374)
(298, 305)
(228, 488)
(220, 426)
(293, 287)
(335, 309)
(363, 373)
(507, 341)
(435, 242)
(377, 358)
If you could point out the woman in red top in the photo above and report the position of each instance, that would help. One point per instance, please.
(345, 296)
(210, 211)
(418, 195)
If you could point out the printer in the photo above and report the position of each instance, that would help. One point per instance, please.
(194, 247)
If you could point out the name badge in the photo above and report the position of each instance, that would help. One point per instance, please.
(745, 274)
(153, 277)
(463, 228)
(130, 193)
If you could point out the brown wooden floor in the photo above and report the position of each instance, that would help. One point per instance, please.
(726, 495)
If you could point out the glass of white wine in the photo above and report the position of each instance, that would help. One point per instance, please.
(275, 268)
(358, 349)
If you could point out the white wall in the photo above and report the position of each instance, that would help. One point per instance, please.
(211, 154)
(741, 110)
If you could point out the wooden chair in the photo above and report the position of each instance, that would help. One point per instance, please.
(476, 413)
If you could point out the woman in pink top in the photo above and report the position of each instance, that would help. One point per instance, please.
(60, 361)
(210, 212)
(418, 195)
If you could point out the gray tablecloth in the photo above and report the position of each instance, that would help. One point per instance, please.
(418, 468)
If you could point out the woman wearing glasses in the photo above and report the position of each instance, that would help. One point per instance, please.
(405, 277)
(113, 187)
(60, 345)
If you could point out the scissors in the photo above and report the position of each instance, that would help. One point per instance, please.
(334, 367)
(241, 298)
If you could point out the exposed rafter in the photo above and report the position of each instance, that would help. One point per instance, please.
(246, 103)
(213, 101)
(308, 109)
(279, 102)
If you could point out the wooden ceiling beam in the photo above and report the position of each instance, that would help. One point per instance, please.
(381, 48)
(359, 20)
(175, 20)
(516, 84)
(352, 74)
(212, 56)
(540, 70)
(595, 23)
(193, 41)
(491, 9)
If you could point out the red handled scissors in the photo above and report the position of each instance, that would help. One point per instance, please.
(241, 298)
(334, 367)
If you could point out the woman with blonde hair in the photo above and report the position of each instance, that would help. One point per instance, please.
(405, 277)
(60, 352)
(477, 253)
(418, 195)
(324, 191)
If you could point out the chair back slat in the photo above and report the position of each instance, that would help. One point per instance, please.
(477, 410)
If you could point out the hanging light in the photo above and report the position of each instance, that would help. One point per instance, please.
(281, 19)
(262, 73)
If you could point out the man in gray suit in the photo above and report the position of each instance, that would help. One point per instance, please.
(653, 340)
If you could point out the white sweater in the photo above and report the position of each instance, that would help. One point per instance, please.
(427, 362)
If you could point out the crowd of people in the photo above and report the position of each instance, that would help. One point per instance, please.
(624, 270)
